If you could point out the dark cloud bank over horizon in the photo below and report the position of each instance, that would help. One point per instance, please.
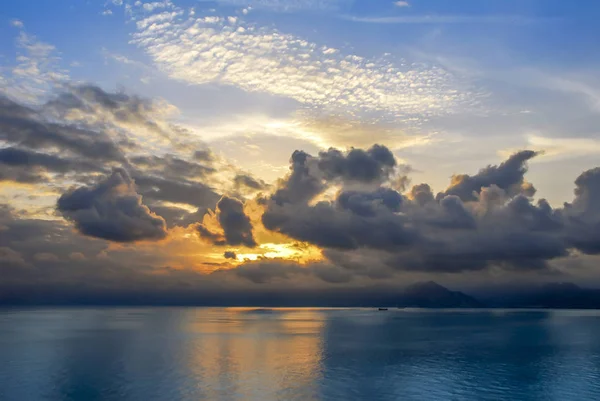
(355, 204)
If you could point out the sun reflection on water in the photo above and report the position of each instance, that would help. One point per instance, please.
(259, 351)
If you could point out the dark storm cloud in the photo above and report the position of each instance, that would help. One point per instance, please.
(356, 218)
(174, 182)
(477, 251)
(74, 269)
(46, 145)
(328, 225)
(59, 276)
(310, 175)
(21, 157)
(330, 274)
(508, 176)
(262, 272)
(451, 213)
(176, 216)
(234, 222)
(123, 107)
(303, 183)
(126, 107)
(32, 236)
(421, 194)
(374, 164)
(236, 226)
(29, 128)
(350, 203)
(245, 181)
(204, 155)
(9, 258)
(481, 221)
(111, 210)
(229, 255)
(178, 191)
(495, 230)
(171, 179)
(587, 193)
(367, 203)
(23, 165)
(46, 139)
(583, 214)
(540, 217)
(24, 176)
(170, 166)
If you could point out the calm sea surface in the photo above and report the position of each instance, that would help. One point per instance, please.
(297, 354)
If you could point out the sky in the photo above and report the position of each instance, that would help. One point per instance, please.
(215, 151)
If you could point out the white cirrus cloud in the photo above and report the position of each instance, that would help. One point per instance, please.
(37, 68)
(230, 52)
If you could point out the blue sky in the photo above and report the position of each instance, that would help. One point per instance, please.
(195, 101)
(525, 70)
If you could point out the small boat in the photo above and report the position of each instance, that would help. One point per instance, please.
(383, 308)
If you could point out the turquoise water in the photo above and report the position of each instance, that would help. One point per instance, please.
(146, 354)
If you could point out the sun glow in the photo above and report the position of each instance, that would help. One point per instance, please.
(298, 252)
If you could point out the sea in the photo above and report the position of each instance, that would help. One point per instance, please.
(144, 354)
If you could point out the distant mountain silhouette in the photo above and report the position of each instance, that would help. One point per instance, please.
(555, 295)
(432, 295)
(419, 295)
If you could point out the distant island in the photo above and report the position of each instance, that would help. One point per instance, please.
(548, 296)
(433, 295)
(417, 295)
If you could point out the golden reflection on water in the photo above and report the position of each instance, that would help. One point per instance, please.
(192, 354)
(253, 352)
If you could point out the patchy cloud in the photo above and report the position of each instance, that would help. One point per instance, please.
(112, 210)
(508, 176)
(10, 256)
(245, 182)
(356, 219)
(583, 214)
(28, 127)
(26, 166)
(375, 164)
(481, 221)
(37, 68)
(230, 255)
(234, 223)
(113, 198)
(84, 131)
(230, 52)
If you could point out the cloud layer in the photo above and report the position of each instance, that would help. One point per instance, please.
(344, 202)
(354, 206)
(235, 225)
(229, 51)
(488, 220)
(112, 210)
